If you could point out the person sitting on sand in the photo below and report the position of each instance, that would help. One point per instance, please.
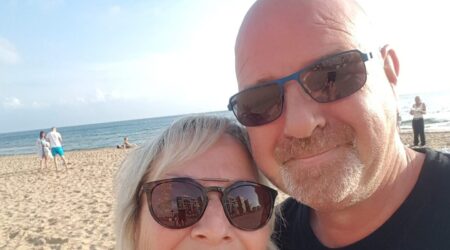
(126, 144)
(195, 186)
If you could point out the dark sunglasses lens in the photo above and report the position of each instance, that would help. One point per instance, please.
(336, 77)
(259, 105)
(177, 204)
(249, 207)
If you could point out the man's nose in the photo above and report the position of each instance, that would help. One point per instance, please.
(214, 227)
(302, 114)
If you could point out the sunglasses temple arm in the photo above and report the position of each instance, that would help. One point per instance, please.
(367, 56)
(138, 195)
(230, 108)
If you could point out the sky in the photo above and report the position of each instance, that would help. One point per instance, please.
(81, 62)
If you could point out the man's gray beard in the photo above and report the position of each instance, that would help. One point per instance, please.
(326, 186)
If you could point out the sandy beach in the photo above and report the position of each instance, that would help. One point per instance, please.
(48, 209)
(436, 140)
(58, 210)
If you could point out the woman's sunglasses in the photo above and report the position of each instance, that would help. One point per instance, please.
(180, 202)
(327, 80)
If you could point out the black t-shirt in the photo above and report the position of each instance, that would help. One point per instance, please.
(421, 222)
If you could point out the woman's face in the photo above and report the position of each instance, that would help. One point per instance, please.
(226, 159)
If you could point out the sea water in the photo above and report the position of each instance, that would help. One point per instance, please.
(91, 136)
(108, 135)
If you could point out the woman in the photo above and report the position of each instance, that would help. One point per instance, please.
(194, 187)
(43, 149)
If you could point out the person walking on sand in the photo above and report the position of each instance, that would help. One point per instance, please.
(417, 111)
(55, 139)
(43, 149)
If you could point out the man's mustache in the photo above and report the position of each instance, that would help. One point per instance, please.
(322, 139)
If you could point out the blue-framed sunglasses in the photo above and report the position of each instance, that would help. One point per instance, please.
(326, 80)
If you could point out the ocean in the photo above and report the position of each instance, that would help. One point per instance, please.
(91, 136)
(104, 135)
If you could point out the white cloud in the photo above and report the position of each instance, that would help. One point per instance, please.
(179, 78)
(80, 99)
(8, 52)
(104, 96)
(114, 10)
(39, 105)
(100, 95)
(12, 103)
(92, 95)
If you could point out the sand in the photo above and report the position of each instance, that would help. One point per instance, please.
(436, 140)
(58, 210)
(74, 209)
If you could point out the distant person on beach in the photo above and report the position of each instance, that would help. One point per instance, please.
(353, 183)
(399, 121)
(43, 149)
(194, 186)
(126, 144)
(417, 111)
(55, 139)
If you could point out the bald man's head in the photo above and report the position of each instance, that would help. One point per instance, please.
(298, 25)
(305, 66)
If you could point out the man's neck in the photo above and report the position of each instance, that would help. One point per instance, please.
(344, 227)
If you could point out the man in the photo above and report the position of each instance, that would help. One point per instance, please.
(417, 111)
(55, 139)
(336, 152)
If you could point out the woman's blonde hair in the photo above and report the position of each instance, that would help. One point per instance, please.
(183, 140)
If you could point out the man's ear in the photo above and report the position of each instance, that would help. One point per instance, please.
(391, 64)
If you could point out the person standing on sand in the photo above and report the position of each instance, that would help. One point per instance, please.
(417, 111)
(55, 140)
(43, 149)
(399, 121)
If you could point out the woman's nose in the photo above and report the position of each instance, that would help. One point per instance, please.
(214, 227)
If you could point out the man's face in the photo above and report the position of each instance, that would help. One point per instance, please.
(325, 155)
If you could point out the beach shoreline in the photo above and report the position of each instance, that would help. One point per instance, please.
(436, 139)
(46, 209)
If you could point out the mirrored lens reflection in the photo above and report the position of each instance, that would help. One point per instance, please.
(177, 204)
(248, 206)
(335, 78)
(259, 105)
